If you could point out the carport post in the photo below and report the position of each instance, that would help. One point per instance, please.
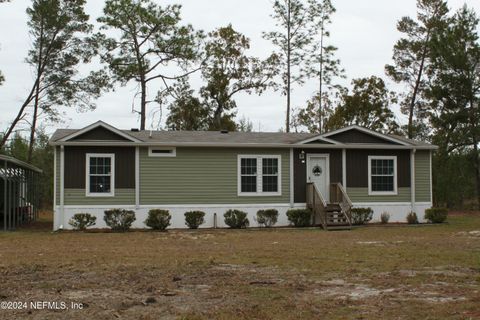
(5, 197)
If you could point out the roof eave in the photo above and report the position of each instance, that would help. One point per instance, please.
(242, 145)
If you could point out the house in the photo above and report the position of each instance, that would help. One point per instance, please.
(101, 167)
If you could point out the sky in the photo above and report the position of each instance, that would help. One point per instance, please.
(363, 31)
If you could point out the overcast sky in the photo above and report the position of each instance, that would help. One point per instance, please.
(363, 31)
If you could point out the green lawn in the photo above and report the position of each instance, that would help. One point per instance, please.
(393, 272)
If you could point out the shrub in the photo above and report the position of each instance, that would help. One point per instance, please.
(436, 215)
(267, 218)
(194, 219)
(361, 215)
(119, 219)
(412, 218)
(385, 217)
(300, 217)
(236, 219)
(158, 219)
(81, 221)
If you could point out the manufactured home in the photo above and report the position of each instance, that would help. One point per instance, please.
(100, 167)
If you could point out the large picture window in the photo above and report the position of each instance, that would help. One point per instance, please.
(100, 180)
(259, 175)
(382, 175)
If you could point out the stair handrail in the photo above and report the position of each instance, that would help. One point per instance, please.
(345, 202)
(312, 194)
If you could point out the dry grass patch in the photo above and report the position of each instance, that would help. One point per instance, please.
(367, 273)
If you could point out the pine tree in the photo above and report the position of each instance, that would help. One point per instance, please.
(150, 39)
(411, 58)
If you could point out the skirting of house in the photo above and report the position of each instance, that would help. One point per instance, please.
(177, 212)
(398, 212)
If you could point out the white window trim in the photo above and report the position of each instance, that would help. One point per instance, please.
(382, 193)
(173, 152)
(259, 192)
(112, 175)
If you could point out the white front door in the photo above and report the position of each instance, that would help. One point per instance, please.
(318, 172)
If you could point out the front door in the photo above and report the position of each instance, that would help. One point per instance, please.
(318, 173)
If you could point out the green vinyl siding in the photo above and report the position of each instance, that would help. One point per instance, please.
(203, 176)
(361, 195)
(422, 176)
(77, 197)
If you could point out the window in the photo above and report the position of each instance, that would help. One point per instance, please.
(269, 175)
(382, 175)
(162, 152)
(100, 175)
(259, 175)
(249, 175)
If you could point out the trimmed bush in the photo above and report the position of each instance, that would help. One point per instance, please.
(361, 215)
(412, 218)
(300, 218)
(385, 217)
(194, 219)
(158, 219)
(236, 219)
(119, 219)
(81, 221)
(436, 215)
(267, 218)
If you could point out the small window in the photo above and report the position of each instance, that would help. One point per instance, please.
(100, 175)
(382, 175)
(162, 152)
(270, 175)
(259, 175)
(249, 174)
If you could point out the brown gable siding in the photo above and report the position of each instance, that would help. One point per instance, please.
(99, 133)
(300, 170)
(356, 136)
(75, 165)
(357, 166)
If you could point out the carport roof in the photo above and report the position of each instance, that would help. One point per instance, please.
(24, 165)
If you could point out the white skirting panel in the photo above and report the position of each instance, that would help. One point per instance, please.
(398, 210)
(177, 213)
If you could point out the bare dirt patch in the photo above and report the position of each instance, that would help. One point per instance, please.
(366, 273)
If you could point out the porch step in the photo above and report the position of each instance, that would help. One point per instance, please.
(336, 219)
(339, 228)
(331, 207)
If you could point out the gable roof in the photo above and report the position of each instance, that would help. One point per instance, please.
(99, 124)
(368, 132)
(230, 139)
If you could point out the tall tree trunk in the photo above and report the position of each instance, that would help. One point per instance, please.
(143, 102)
(37, 98)
(413, 101)
(19, 116)
(287, 122)
(143, 82)
(33, 128)
(320, 91)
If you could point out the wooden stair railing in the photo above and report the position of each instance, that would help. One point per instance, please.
(317, 204)
(339, 195)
